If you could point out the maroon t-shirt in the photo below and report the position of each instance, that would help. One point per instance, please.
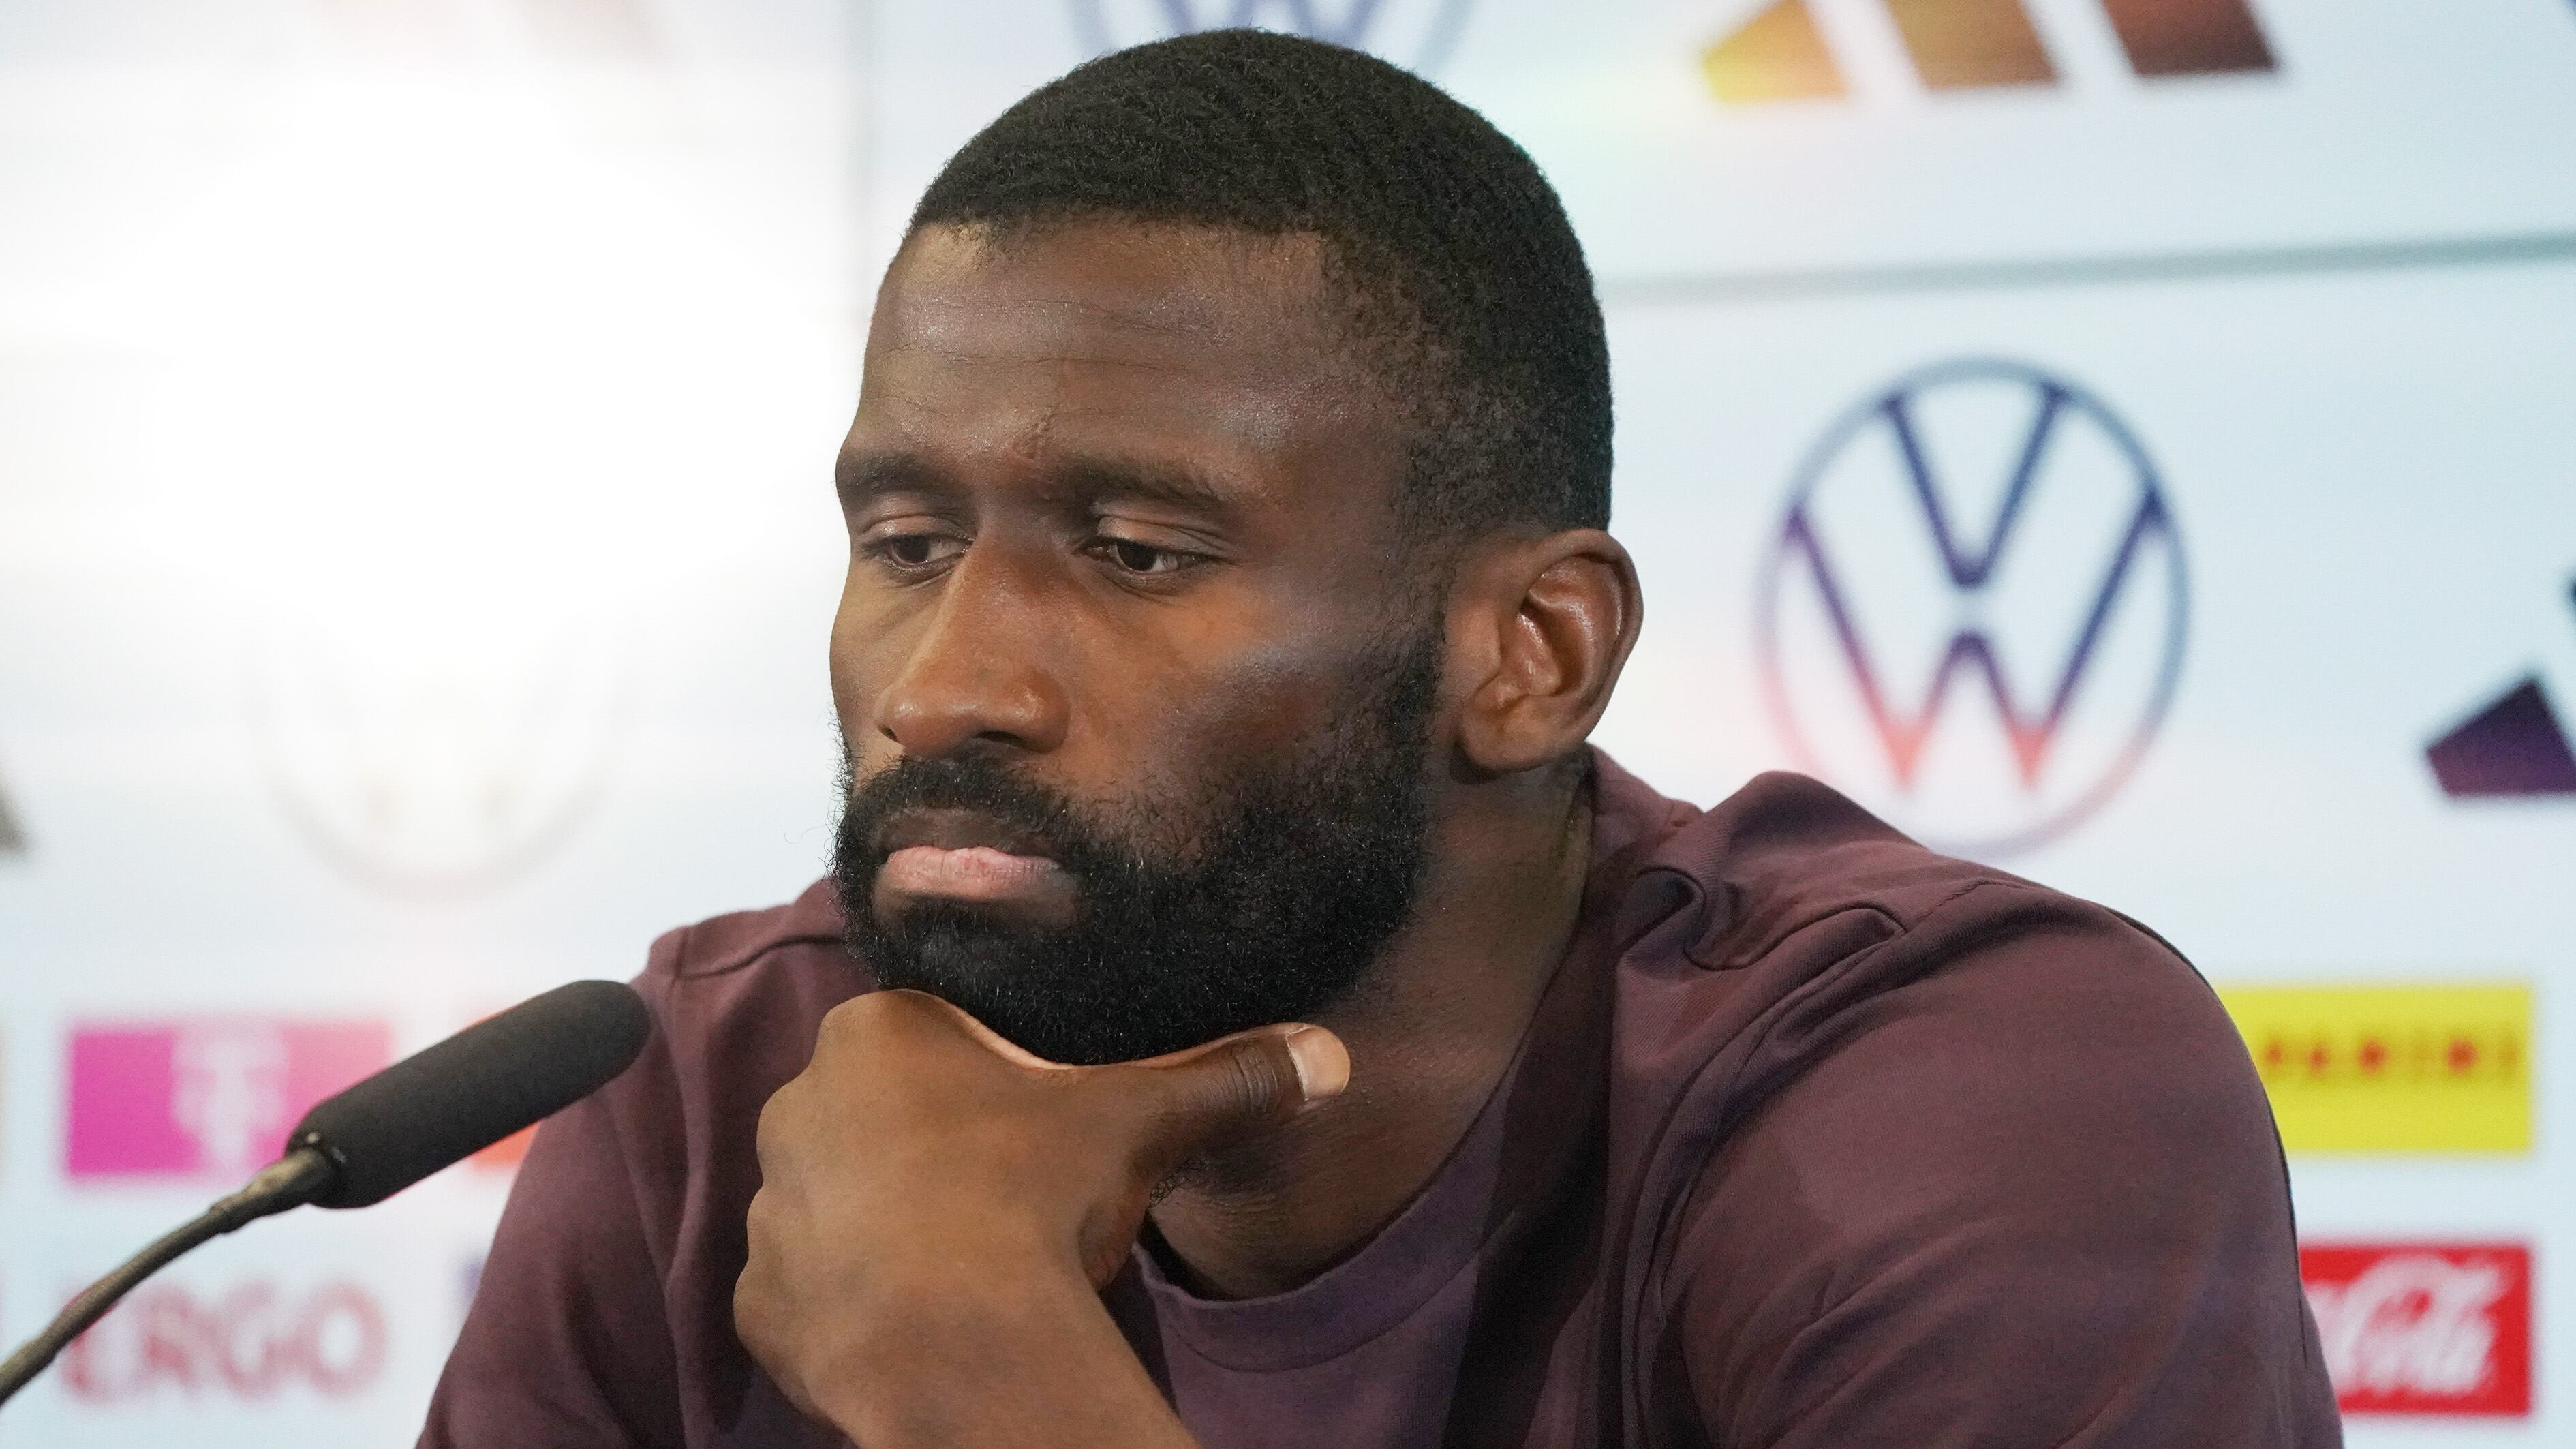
(1817, 1139)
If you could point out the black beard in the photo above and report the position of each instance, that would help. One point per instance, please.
(1303, 870)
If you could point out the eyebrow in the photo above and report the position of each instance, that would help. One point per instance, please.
(1095, 480)
(866, 476)
(1074, 483)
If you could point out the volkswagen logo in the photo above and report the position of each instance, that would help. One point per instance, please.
(1414, 33)
(1972, 616)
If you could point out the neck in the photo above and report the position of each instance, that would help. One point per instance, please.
(1430, 1037)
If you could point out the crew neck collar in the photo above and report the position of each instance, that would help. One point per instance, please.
(1506, 1167)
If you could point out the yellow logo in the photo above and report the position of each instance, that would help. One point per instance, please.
(2392, 1068)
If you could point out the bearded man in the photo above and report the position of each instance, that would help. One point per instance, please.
(1244, 1012)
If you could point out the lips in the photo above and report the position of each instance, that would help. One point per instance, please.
(953, 829)
(975, 873)
(966, 858)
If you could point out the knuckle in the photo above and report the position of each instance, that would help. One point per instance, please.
(751, 1312)
(1250, 1083)
(878, 1018)
(767, 1132)
(855, 1015)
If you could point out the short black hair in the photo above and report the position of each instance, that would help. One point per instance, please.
(1462, 268)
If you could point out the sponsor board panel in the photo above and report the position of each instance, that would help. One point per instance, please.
(324, 1328)
(2298, 493)
(2424, 1328)
(1418, 34)
(328, 1324)
(2362, 491)
(2512, 747)
(2393, 1068)
(2371, 506)
(2056, 575)
(209, 1097)
(1787, 138)
(253, 1338)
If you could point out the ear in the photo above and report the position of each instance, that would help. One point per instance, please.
(1539, 630)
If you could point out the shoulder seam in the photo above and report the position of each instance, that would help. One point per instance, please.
(1656, 1289)
(747, 957)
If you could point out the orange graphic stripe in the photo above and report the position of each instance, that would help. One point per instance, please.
(1778, 55)
(1958, 44)
(2189, 37)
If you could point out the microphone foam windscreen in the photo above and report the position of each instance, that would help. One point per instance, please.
(473, 1089)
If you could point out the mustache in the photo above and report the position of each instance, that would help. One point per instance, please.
(976, 783)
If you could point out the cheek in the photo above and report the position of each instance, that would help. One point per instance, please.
(858, 651)
(1265, 704)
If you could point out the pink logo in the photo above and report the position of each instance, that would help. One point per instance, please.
(208, 1097)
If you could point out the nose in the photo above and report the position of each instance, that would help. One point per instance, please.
(975, 675)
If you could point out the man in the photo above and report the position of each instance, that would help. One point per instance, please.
(1243, 1012)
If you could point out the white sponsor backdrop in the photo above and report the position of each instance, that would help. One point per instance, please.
(416, 544)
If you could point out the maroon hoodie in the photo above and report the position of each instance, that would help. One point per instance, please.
(1817, 1139)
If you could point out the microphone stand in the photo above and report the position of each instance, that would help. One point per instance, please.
(289, 1182)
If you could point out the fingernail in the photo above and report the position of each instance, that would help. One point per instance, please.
(1323, 1064)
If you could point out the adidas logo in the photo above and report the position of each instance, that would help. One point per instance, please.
(2513, 747)
(1814, 49)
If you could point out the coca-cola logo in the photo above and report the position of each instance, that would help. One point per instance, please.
(2424, 1329)
(257, 1340)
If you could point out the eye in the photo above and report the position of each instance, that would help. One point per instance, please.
(1141, 560)
(916, 551)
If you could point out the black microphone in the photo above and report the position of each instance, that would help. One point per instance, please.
(451, 1101)
(423, 1113)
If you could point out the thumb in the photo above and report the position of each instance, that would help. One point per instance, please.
(1208, 1096)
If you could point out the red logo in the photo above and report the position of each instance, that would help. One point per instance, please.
(506, 1154)
(2424, 1328)
(253, 1342)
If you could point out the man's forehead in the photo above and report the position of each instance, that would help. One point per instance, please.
(1190, 295)
(1189, 345)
